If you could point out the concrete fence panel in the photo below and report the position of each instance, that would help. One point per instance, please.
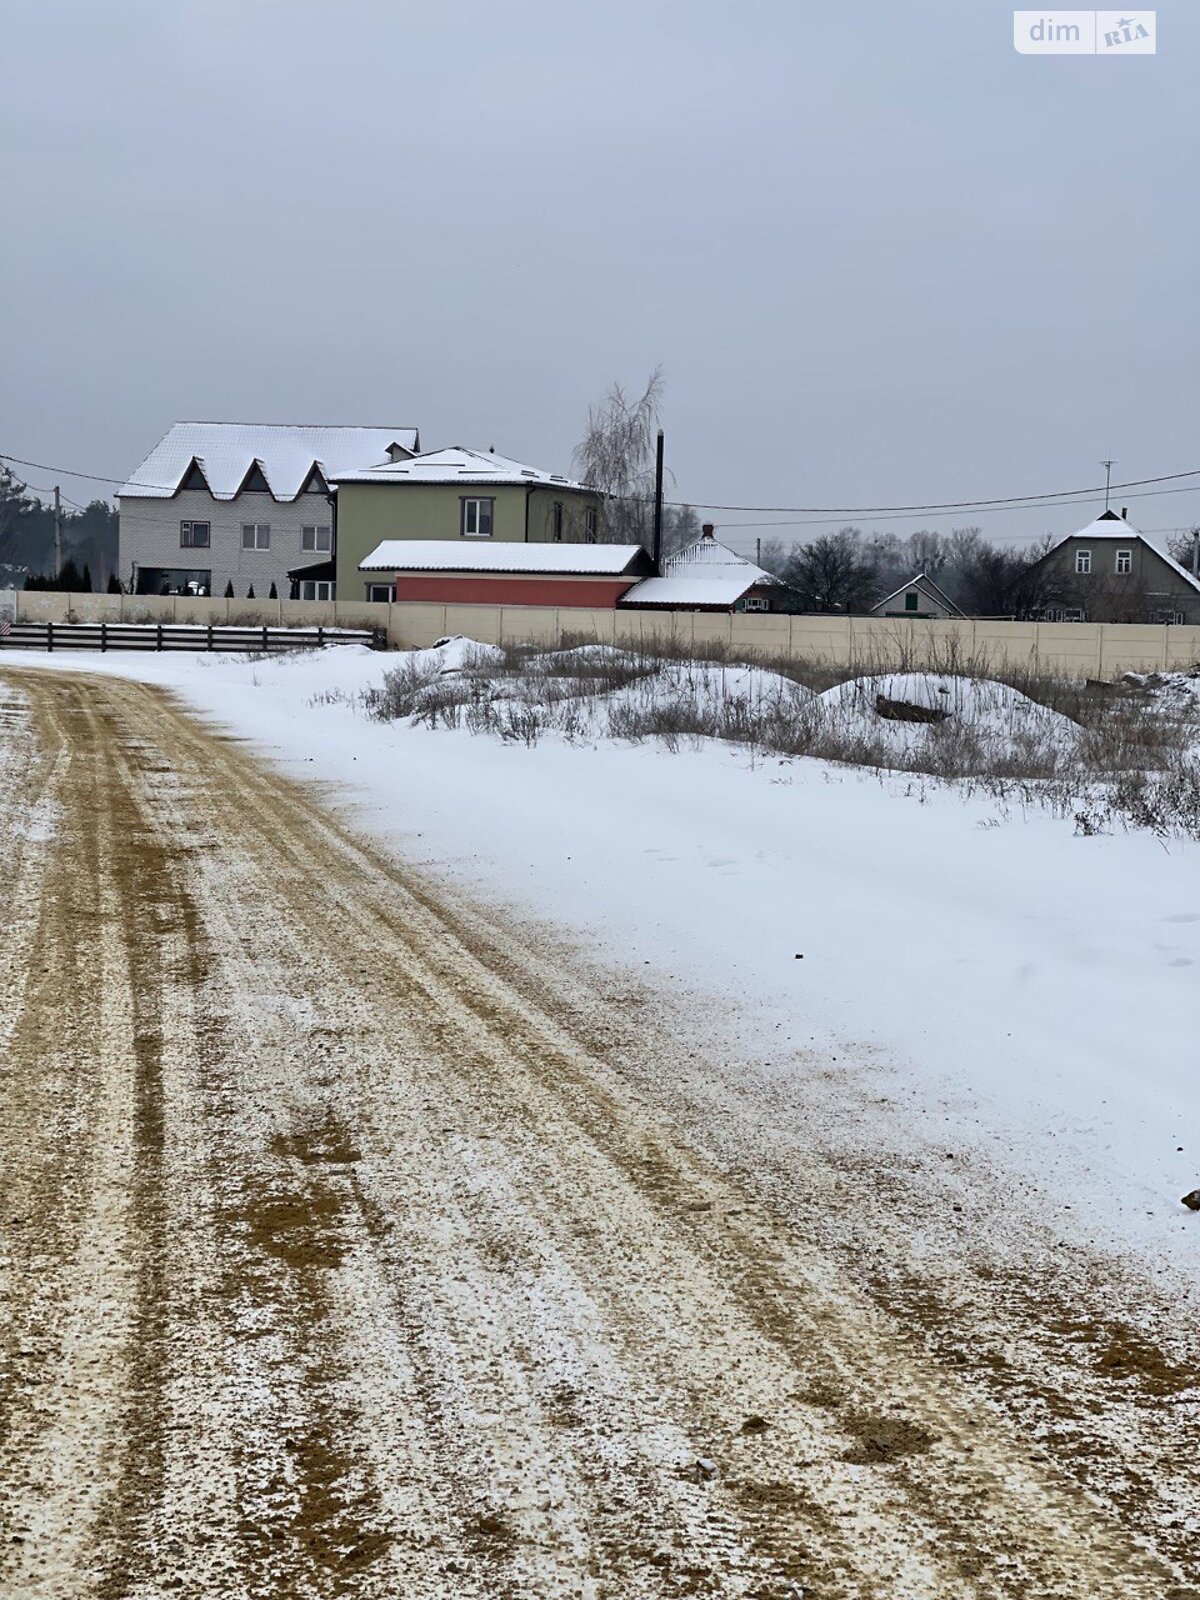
(1182, 649)
(1007, 644)
(355, 613)
(211, 611)
(825, 639)
(1124, 646)
(476, 622)
(540, 625)
(1072, 648)
(310, 614)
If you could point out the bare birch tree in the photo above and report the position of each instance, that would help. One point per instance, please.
(616, 456)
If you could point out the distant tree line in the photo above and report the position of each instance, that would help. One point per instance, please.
(852, 570)
(89, 541)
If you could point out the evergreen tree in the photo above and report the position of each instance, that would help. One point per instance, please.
(274, 594)
(229, 590)
(15, 507)
(114, 585)
(70, 579)
(250, 593)
(87, 580)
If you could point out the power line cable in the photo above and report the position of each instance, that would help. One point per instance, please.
(1031, 501)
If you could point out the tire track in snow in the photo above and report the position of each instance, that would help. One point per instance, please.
(473, 1306)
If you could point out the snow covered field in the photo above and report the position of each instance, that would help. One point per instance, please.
(987, 981)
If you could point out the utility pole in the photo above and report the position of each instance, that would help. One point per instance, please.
(758, 551)
(1196, 552)
(658, 503)
(1108, 466)
(57, 534)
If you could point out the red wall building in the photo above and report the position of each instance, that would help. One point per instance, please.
(511, 589)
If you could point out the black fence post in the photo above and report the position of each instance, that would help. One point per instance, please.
(49, 636)
(209, 636)
(103, 637)
(266, 642)
(158, 637)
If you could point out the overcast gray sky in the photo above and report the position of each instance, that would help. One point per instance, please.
(881, 257)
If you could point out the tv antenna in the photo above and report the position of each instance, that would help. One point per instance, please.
(1108, 466)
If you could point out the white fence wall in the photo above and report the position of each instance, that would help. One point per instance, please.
(1076, 649)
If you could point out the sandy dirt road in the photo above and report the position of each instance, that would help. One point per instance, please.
(355, 1243)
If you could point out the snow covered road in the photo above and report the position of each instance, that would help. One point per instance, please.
(358, 1241)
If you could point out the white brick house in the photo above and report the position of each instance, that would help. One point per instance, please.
(221, 503)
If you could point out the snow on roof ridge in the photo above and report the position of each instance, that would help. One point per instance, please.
(708, 551)
(1120, 527)
(457, 462)
(328, 427)
(285, 453)
(921, 577)
(500, 556)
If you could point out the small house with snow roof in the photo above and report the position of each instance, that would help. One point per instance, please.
(708, 576)
(920, 598)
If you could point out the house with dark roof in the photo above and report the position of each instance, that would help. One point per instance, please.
(467, 497)
(920, 597)
(1109, 571)
(219, 504)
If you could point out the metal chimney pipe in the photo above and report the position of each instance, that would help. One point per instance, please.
(658, 503)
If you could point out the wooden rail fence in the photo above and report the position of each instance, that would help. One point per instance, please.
(106, 636)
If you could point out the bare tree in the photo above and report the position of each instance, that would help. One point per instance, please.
(832, 573)
(1182, 545)
(1011, 583)
(681, 527)
(616, 456)
(773, 555)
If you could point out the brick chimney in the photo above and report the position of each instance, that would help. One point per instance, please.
(708, 531)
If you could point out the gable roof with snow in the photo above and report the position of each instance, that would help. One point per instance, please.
(926, 585)
(457, 464)
(503, 557)
(229, 453)
(706, 573)
(1108, 525)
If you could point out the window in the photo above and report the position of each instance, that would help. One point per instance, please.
(194, 535)
(1124, 562)
(1172, 618)
(256, 535)
(1083, 561)
(589, 524)
(173, 580)
(1074, 614)
(315, 589)
(1063, 614)
(316, 538)
(477, 519)
(757, 602)
(556, 521)
(379, 591)
(911, 600)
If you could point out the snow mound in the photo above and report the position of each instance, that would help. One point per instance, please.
(708, 685)
(456, 653)
(904, 712)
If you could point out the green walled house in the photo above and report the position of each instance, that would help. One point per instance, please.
(451, 494)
